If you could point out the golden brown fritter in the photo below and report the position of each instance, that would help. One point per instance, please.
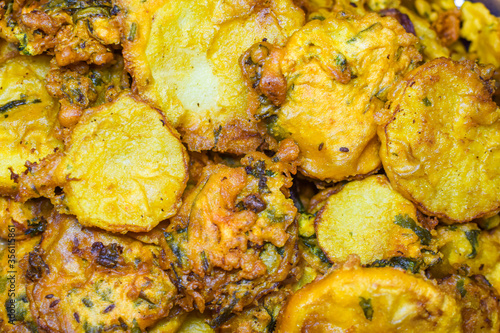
(183, 56)
(15, 313)
(80, 86)
(370, 219)
(82, 280)
(28, 219)
(72, 30)
(234, 239)
(370, 300)
(28, 117)
(337, 72)
(479, 302)
(440, 146)
(124, 168)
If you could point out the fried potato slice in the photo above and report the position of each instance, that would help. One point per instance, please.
(13, 298)
(82, 280)
(370, 219)
(28, 117)
(441, 146)
(183, 56)
(337, 72)
(21, 220)
(234, 239)
(370, 300)
(125, 168)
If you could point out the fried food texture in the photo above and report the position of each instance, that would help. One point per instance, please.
(127, 157)
(338, 72)
(479, 302)
(15, 314)
(28, 118)
(370, 300)
(440, 146)
(234, 239)
(183, 56)
(482, 29)
(370, 219)
(72, 30)
(22, 220)
(82, 280)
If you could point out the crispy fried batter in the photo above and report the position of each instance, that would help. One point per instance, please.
(370, 300)
(72, 30)
(447, 26)
(124, 169)
(28, 118)
(337, 72)
(479, 302)
(234, 239)
(441, 146)
(370, 219)
(28, 219)
(184, 56)
(23, 321)
(95, 281)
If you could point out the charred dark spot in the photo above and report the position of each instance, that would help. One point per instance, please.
(321, 145)
(108, 255)
(344, 149)
(77, 317)
(58, 191)
(49, 296)
(403, 19)
(254, 202)
(109, 308)
(36, 266)
(54, 303)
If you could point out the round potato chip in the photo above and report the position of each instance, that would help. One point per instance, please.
(338, 72)
(28, 117)
(370, 300)
(368, 218)
(441, 140)
(125, 168)
(184, 57)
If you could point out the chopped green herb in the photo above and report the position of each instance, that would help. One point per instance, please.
(359, 34)
(408, 264)
(87, 302)
(471, 236)
(12, 104)
(460, 287)
(132, 32)
(426, 101)
(408, 223)
(366, 305)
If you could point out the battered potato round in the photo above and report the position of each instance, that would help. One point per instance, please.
(370, 300)
(183, 56)
(13, 287)
(337, 72)
(125, 169)
(83, 280)
(441, 140)
(233, 240)
(368, 218)
(28, 219)
(28, 117)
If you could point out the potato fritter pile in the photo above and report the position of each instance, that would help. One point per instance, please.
(249, 166)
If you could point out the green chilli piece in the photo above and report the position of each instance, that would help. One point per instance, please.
(366, 305)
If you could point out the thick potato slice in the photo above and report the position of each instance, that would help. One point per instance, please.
(125, 167)
(21, 220)
(13, 298)
(441, 146)
(28, 117)
(368, 218)
(83, 280)
(184, 56)
(234, 239)
(370, 300)
(337, 72)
